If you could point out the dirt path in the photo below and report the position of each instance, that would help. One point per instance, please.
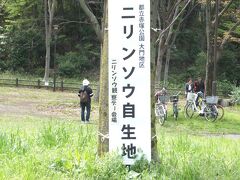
(20, 105)
(25, 102)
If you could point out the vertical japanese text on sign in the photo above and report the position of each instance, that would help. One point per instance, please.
(129, 77)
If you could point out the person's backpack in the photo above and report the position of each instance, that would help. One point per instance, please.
(84, 97)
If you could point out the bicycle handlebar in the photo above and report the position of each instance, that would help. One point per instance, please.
(178, 93)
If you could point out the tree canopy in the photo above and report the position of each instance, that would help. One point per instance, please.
(22, 39)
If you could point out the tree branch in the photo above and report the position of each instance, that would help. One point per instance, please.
(171, 28)
(173, 21)
(225, 39)
(77, 22)
(174, 7)
(189, 12)
(222, 12)
(93, 19)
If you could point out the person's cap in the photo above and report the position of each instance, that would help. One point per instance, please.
(85, 82)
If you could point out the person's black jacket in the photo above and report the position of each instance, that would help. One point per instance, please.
(201, 86)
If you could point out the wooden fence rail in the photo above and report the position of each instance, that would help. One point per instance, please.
(67, 86)
(54, 85)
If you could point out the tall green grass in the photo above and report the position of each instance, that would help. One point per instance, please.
(54, 146)
(12, 144)
(193, 157)
(68, 150)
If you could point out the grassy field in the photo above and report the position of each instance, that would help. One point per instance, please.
(229, 124)
(41, 137)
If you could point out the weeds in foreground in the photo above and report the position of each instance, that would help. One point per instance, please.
(69, 150)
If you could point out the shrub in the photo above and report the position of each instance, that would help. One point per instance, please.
(140, 165)
(235, 95)
(225, 86)
(2, 66)
(73, 63)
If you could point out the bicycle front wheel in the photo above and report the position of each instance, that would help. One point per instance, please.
(189, 110)
(160, 114)
(210, 113)
(162, 118)
(220, 111)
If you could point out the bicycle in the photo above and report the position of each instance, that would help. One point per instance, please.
(207, 107)
(174, 100)
(190, 106)
(160, 109)
(220, 112)
(211, 111)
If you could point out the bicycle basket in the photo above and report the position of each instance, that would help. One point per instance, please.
(163, 99)
(211, 99)
(191, 96)
(173, 98)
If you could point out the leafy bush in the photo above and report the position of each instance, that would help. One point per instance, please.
(73, 63)
(2, 66)
(235, 95)
(229, 64)
(198, 68)
(25, 50)
(108, 167)
(225, 86)
(140, 165)
(200, 64)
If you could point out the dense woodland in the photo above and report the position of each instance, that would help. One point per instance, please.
(78, 47)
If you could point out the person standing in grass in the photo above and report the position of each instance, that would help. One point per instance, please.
(85, 93)
(189, 86)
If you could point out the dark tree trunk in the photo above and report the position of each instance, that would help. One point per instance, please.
(103, 128)
(154, 18)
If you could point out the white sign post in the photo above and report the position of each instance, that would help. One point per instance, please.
(129, 79)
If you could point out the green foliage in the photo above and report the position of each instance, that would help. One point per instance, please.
(12, 143)
(225, 86)
(3, 66)
(229, 64)
(187, 60)
(54, 136)
(109, 167)
(61, 165)
(141, 165)
(23, 26)
(25, 47)
(186, 156)
(235, 95)
(196, 157)
(24, 44)
(197, 69)
(200, 64)
(188, 44)
(23, 50)
(73, 63)
(194, 70)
